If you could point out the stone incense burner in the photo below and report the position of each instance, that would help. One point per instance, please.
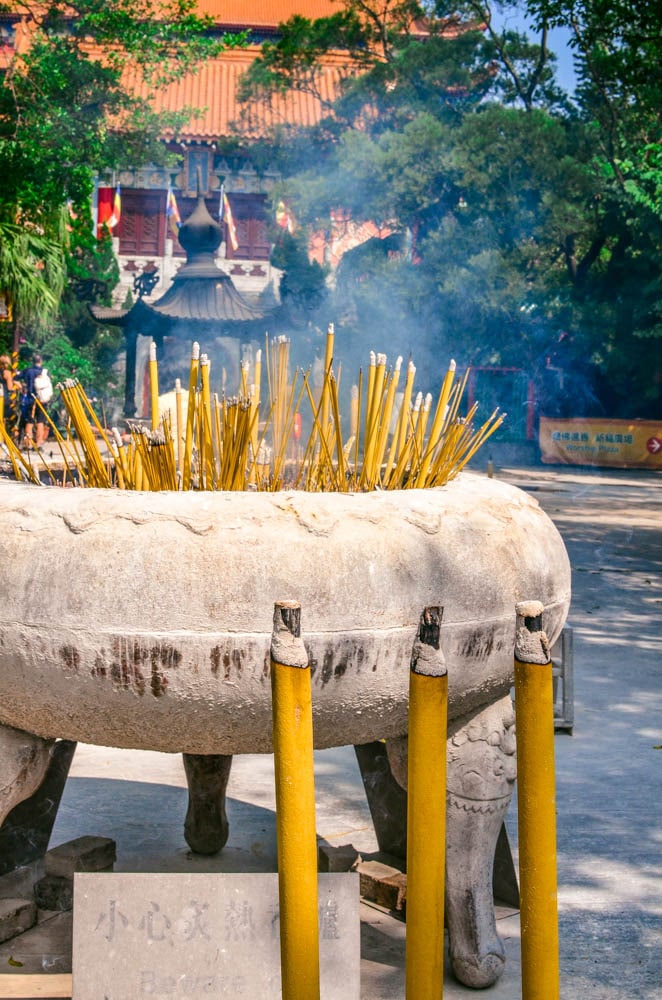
(143, 620)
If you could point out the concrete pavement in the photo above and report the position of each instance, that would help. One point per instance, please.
(609, 786)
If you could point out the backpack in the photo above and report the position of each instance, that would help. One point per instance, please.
(43, 387)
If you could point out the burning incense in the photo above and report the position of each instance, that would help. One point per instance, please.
(437, 424)
(179, 425)
(223, 445)
(206, 424)
(401, 429)
(190, 418)
(154, 385)
(325, 398)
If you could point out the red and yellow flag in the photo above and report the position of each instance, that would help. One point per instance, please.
(109, 208)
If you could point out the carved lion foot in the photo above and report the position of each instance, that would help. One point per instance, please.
(481, 773)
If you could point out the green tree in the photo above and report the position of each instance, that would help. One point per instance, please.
(75, 95)
(92, 273)
(618, 56)
(519, 243)
(32, 277)
(76, 91)
(618, 49)
(302, 287)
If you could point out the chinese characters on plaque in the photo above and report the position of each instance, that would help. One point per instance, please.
(215, 935)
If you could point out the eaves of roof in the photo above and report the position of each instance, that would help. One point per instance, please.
(206, 300)
(211, 300)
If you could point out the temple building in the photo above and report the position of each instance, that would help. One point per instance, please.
(209, 279)
(202, 304)
(143, 239)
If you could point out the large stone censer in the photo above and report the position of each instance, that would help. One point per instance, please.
(143, 620)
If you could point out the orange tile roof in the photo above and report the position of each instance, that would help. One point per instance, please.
(265, 13)
(269, 13)
(214, 87)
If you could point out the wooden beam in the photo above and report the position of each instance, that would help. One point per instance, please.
(56, 986)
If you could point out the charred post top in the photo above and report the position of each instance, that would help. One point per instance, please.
(287, 646)
(426, 655)
(531, 643)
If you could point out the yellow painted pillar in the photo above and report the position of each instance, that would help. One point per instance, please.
(426, 813)
(536, 806)
(154, 385)
(295, 806)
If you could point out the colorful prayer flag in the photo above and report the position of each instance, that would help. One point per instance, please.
(225, 215)
(117, 209)
(284, 217)
(172, 212)
(109, 209)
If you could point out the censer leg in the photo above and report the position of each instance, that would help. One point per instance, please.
(24, 760)
(481, 774)
(206, 825)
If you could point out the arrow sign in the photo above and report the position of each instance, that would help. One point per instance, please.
(654, 445)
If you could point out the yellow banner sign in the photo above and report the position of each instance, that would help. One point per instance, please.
(624, 444)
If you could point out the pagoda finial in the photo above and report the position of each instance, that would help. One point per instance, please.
(200, 235)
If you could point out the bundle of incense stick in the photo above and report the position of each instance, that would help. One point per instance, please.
(22, 467)
(397, 439)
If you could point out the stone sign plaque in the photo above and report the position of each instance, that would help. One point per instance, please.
(175, 936)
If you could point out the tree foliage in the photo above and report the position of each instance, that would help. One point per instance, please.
(76, 82)
(527, 217)
(33, 270)
(302, 288)
(618, 48)
(71, 99)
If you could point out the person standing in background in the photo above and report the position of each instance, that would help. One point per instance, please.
(32, 412)
(9, 389)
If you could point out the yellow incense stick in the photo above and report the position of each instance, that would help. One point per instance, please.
(437, 424)
(154, 385)
(190, 418)
(386, 422)
(179, 424)
(223, 444)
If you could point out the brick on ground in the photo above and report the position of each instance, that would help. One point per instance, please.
(54, 892)
(382, 884)
(16, 916)
(337, 859)
(85, 854)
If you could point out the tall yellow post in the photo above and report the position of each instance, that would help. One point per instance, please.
(154, 385)
(295, 806)
(426, 813)
(536, 806)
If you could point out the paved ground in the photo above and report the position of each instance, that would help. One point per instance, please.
(609, 774)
